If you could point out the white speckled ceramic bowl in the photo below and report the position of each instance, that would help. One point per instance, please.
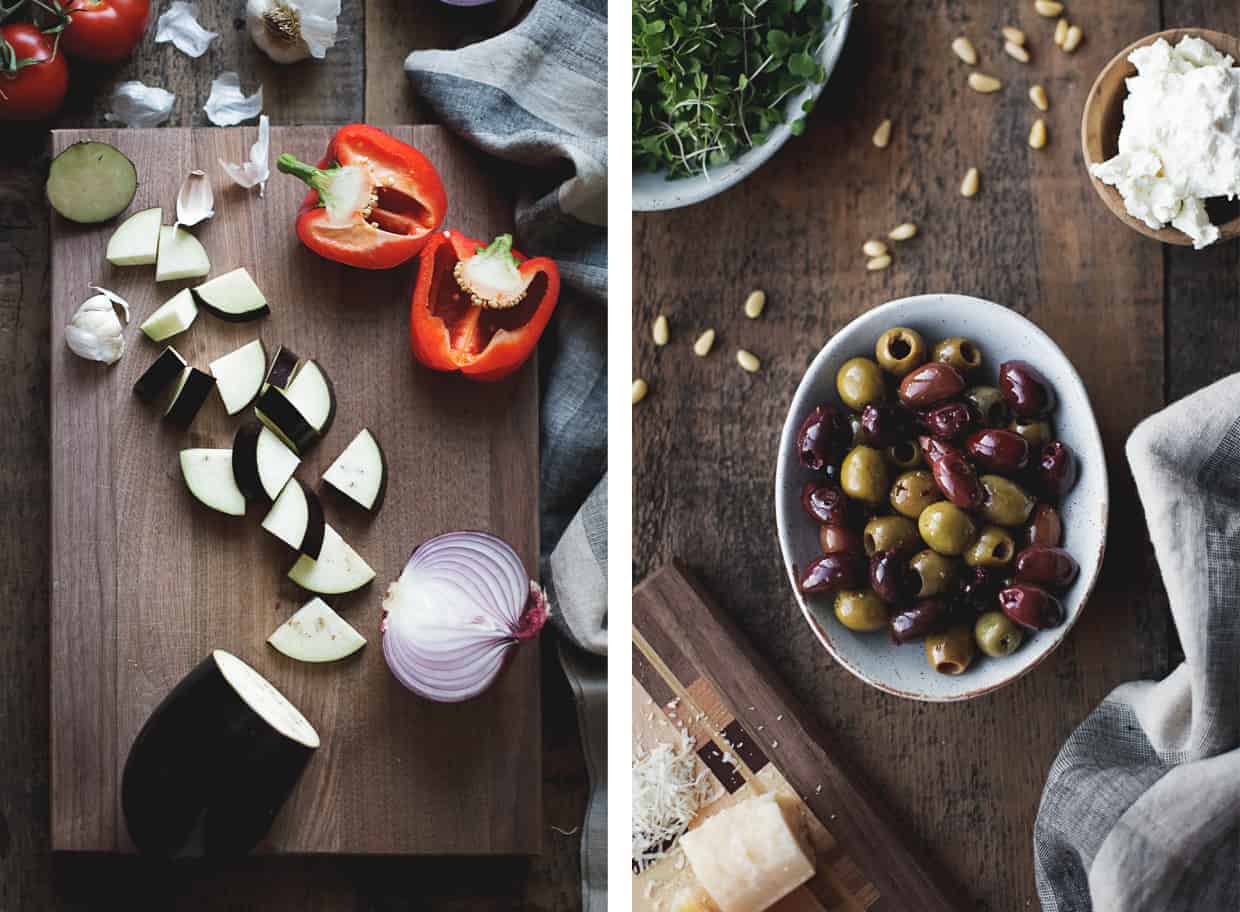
(1001, 334)
(652, 191)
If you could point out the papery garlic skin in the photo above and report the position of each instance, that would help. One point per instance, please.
(292, 30)
(255, 171)
(95, 331)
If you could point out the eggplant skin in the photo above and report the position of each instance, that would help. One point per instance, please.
(206, 775)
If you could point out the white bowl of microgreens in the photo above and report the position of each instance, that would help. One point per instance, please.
(720, 85)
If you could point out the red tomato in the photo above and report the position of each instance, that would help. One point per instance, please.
(35, 90)
(105, 31)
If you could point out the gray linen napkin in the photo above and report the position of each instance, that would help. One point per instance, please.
(537, 96)
(1141, 810)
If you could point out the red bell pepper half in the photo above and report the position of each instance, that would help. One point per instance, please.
(479, 309)
(374, 200)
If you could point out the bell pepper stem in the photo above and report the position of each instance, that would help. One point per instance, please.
(499, 248)
(291, 164)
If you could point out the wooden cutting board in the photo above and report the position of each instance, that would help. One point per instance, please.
(693, 672)
(146, 581)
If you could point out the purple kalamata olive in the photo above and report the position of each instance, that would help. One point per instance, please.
(930, 384)
(1031, 606)
(1045, 527)
(837, 539)
(953, 474)
(1052, 568)
(998, 450)
(833, 572)
(824, 437)
(892, 578)
(948, 421)
(1027, 393)
(923, 617)
(826, 503)
(885, 425)
(1057, 469)
(979, 591)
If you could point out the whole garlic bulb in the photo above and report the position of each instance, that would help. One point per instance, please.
(95, 332)
(292, 30)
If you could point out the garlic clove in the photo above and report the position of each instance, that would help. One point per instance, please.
(292, 30)
(196, 200)
(95, 331)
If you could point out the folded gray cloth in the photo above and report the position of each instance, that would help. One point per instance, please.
(537, 96)
(1141, 810)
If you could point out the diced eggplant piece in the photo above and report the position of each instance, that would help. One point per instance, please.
(232, 296)
(296, 518)
(285, 421)
(174, 316)
(316, 634)
(209, 477)
(181, 255)
(165, 369)
(337, 569)
(283, 366)
(311, 392)
(91, 182)
(136, 241)
(262, 463)
(239, 374)
(360, 472)
(214, 763)
(191, 393)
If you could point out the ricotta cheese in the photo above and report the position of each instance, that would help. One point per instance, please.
(1180, 141)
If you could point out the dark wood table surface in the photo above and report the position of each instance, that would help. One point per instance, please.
(1144, 324)
(361, 79)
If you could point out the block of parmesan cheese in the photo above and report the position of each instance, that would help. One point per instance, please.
(749, 856)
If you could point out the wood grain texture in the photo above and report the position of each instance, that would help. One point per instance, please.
(675, 617)
(145, 581)
(965, 777)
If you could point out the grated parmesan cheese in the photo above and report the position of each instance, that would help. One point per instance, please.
(667, 792)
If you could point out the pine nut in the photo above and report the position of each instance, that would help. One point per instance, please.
(639, 390)
(1072, 40)
(1013, 34)
(755, 304)
(747, 360)
(1037, 134)
(1037, 95)
(702, 346)
(1016, 51)
(980, 82)
(873, 247)
(1048, 9)
(964, 49)
(971, 183)
(878, 262)
(660, 331)
(882, 135)
(1061, 31)
(902, 232)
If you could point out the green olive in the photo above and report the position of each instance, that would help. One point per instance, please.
(950, 652)
(900, 349)
(1037, 432)
(988, 405)
(904, 455)
(1005, 503)
(993, 548)
(889, 533)
(863, 475)
(913, 492)
(959, 352)
(946, 528)
(861, 610)
(860, 382)
(935, 570)
(996, 635)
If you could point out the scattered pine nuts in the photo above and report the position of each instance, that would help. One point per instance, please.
(702, 346)
(1037, 134)
(747, 360)
(879, 262)
(971, 183)
(1016, 51)
(980, 82)
(1048, 9)
(1013, 34)
(902, 232)
(882, 135)
(964, 49)
(1061, 31)
(1037, 95)
(755, 304)
(1072, 40)
(873, 247)
(660, 331)
(639, 390)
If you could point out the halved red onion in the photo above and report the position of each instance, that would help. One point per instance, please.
(461, 605)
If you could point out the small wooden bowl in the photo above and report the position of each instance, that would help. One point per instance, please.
(1104, 115)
